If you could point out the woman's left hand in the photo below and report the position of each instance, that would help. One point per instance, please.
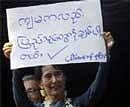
(108, 40)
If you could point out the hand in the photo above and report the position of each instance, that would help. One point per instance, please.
(108, 40)
(7, 48)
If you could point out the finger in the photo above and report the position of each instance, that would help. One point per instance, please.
(110, 44)
(7, 53)
(8, 44)
(107, 34)
(108, 38)
(6, 48)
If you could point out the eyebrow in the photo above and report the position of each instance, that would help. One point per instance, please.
(44, 72)
(33, 89)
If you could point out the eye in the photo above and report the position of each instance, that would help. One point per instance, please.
(31, 91)
(58, 73)
(48, 76)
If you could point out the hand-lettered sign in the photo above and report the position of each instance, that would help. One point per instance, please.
(60, 33)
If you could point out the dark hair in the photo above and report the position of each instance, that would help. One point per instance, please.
(38, 70)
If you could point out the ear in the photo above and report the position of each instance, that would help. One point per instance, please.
(43, 93)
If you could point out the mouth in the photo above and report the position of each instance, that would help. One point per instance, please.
(56, 87)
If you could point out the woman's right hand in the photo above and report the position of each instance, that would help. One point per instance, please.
(7, 48)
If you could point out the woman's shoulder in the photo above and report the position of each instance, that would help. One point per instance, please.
(39, 105)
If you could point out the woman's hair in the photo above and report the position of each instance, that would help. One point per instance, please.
(66, 68)
(40, 70)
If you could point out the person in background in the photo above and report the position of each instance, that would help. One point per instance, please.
(32, 88)
(30, 82)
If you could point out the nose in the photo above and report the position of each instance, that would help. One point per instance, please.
(54, 79)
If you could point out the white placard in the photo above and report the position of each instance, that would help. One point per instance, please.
(60, 33)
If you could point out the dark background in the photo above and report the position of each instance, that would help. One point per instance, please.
(116, 20)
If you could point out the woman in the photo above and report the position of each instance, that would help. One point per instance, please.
(52, 79)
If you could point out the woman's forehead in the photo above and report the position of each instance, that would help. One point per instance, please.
(49, 68)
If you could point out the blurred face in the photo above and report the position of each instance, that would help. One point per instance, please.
(53, 81)
(33, 90)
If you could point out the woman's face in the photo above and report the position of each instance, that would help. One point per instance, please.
(53, 81)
